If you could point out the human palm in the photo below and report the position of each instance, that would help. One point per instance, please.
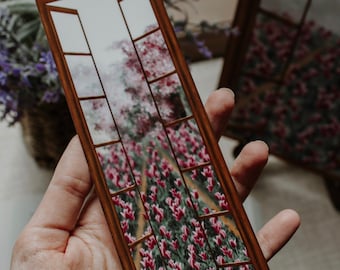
(69, 231)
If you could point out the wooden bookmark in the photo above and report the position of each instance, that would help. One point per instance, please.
(166, 192)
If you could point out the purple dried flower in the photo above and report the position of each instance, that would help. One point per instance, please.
(3, 78)
(47, 59)
(10, 109)
(27, 71)
(40, 67)
(51, 97)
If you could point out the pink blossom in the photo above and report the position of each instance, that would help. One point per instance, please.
(233, 243)
(185, 233)
(175, 265)
(164, 232)
(204, 256)
(164, 250)
(227, 252)
(220, 260)
(175, 244)
(147, 259)
(151, 243)
(159, 213)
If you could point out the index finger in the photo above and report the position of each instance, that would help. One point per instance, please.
(65, 195)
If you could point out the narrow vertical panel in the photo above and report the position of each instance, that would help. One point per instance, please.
(225, 240)
(146, 255)
(154, 56)
(71, 37)
(188, 145)
(131, 10)
(205, 191)
(84, 74)
(133, 219)
(170, 98)
(99, 120)
(115, 166)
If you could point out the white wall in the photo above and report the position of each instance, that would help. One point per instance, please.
(324, 12)
(210, 10)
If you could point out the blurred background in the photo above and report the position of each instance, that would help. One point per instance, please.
(281, 59)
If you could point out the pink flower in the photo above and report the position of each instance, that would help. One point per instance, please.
(178, 182)
(211, 184)
(159, 213)
(129, 238)
(192, 257)
(222, 201)
(198, 236)
(124, 225)
(164, 232)
(195, 194)
(151, 242)
(204, 256)
(218, 240)
(147, 260)
(179, 213)
(175, 265)
(227, 252)
(163, 249)
(175, 244)
(185, 233)
(128, 214)
(220, 260)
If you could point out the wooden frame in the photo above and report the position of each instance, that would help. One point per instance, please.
(134, 188)
(237, 46)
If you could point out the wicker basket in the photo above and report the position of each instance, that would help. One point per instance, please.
(47, 130)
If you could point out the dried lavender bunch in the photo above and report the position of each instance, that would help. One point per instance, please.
(28, 75)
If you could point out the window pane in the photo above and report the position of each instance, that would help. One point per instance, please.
(132, 216)
(188, 144)
(116, 169)
(99, 120)
(225, 240)
(206, 191)
(170, 98)
(84, 75)
(155, 56)
(70, 32)
(138, 24)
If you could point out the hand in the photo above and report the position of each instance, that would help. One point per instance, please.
(69, 232)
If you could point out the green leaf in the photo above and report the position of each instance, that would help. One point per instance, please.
(24, 9)
(28, 30)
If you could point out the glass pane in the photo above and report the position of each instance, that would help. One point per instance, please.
(99, 120)
(180, 236)
(155, 56)
(115, 166)
(170, 98)
(132, 10)
(70, 32)
(206, 191)
(147, 255)
(132, 216)
(188, 144)
(137, 118)
(225, 240)
(167, 203)
(84, 75)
